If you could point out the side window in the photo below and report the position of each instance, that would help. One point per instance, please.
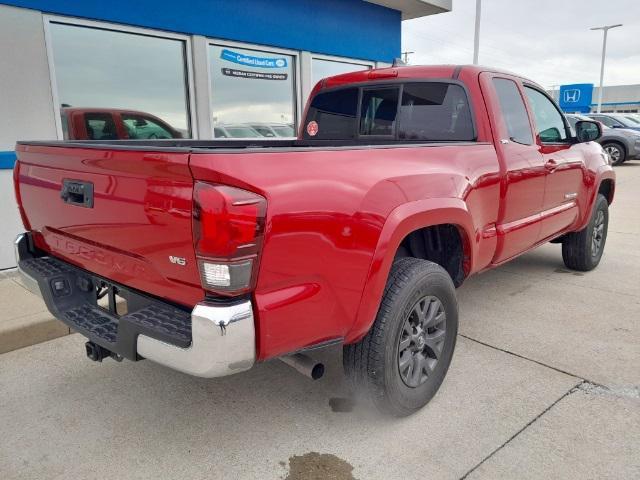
(513, 111)
(434, 112)
(219, 133)
(610, 122)
(334, 114)
(100, 126)
(378, 111)
(550, 126)
(142, 128)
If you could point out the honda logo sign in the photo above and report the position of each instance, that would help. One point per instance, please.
(576, 97)
(572, 96)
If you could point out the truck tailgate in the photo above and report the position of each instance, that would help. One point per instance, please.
(135, 225)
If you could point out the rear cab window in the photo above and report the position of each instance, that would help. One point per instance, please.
(435, 112)
(429, 111)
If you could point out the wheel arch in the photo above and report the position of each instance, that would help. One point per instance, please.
(400, 224)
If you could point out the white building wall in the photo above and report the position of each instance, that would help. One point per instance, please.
(25, 102)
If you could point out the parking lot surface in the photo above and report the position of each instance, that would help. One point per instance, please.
(545, 383)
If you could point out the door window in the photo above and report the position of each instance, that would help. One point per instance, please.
(513, 111)
(607, 121)
(550, 125)
(100, 126)
(141, 128)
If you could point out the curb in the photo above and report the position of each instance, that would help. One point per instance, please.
(29, 324)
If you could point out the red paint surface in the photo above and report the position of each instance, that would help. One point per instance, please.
(334, 217)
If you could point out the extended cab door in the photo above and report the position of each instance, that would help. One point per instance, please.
(521, 163)
(563, 160)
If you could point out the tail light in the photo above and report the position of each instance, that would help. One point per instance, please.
(228, 227)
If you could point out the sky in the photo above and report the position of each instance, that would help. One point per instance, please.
(547, 41)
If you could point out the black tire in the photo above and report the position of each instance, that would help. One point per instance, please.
(419, 298)
(616, 151)
(583, 250)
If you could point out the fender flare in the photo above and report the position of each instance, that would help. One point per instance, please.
(605, 172)
(403, 220)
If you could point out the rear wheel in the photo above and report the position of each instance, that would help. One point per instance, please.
(583, 250)
(402, 361)
(616, 152)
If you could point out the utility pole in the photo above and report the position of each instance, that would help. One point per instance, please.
(406, 57)
(476, 38)
(605, 29)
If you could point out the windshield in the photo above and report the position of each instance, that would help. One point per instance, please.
(633, 120)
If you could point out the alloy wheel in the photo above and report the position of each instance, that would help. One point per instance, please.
(614, 152)
(421, 341)
(597, 237)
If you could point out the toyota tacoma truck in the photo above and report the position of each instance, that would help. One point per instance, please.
(210, 256)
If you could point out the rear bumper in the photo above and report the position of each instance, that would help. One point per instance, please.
(213, 340)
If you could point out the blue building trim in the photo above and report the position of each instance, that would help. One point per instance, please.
(348, 28)
(7, 160)
(617, 103)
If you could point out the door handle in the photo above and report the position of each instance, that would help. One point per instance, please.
(551, 165)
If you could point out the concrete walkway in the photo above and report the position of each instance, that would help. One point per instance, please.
(545, 383)
(24, 318)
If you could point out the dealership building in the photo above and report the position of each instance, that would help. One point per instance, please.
(200, 69)
(582, 98)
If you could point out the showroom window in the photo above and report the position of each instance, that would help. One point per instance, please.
(252, 93)
(119, 84)
(321, 68)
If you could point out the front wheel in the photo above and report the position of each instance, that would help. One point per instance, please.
(583, 250)
(402, 361)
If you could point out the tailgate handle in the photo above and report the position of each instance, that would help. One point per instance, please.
(77, 192)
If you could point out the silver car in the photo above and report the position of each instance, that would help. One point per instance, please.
(620, 143)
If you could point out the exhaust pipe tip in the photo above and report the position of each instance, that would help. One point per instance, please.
(305, 365)
(317, 372)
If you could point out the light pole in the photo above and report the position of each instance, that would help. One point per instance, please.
(476, 38)
(605, 29)
(406, 57)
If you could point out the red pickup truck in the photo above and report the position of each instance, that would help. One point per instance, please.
(210, 256)
(113, 124)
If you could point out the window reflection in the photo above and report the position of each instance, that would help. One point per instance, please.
(117, 85)
(252, 93)
(328, 68)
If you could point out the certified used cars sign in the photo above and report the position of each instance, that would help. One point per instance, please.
(250, 61)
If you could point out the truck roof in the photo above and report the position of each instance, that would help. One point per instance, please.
(408, 72)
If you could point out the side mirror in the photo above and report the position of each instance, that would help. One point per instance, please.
(588, 131)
